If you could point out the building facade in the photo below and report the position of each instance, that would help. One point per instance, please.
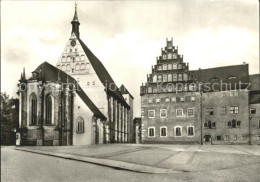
(205, 106)
(75, 103)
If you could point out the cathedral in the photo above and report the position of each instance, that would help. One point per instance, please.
(75, 103)
(206, 106)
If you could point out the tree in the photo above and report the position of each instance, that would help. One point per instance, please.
(9, 118)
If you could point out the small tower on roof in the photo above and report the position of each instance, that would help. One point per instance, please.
(75, 23)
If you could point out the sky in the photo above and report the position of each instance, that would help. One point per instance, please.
(127, 36)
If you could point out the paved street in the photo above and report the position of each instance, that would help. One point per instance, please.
(196, 163)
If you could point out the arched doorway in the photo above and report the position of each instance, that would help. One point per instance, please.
(207, 139)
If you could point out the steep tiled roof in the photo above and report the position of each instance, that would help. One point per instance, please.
(254, 97)
(227, 74)
(254, 81)
(123, 90)
(49, 72)
(103, 74)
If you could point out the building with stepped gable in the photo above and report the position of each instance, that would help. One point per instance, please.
(205, 106)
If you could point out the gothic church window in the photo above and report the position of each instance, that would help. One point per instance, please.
(80, 125)
(49, 109)
(33, 102)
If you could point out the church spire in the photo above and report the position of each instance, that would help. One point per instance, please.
(75, 23)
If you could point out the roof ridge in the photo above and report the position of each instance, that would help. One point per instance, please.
(103, 74)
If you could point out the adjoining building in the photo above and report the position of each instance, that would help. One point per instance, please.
(205, 106)
(75, 103)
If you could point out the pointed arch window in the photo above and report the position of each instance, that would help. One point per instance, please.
(33, 109)
(49, 110)
(80, 125)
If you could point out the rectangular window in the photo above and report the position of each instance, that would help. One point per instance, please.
(173, 99)
(178, 131)
(190, 131)
(258, 137)
(231, 93)
(151, 113)
(80, 127)
(223, 110)
(209, 111)
(213, 125)
(259, 124)
(179, 112)
(191, 112)
(192, 98)
(164, 132)
(227, 137)
(157, 100)
(179, 77)
(253, 111)
(151, 132)
(182, 99)
(187, 98)
(233, 109)
(150, 101)
(163, 113)
(205, 125)
(218, 137)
